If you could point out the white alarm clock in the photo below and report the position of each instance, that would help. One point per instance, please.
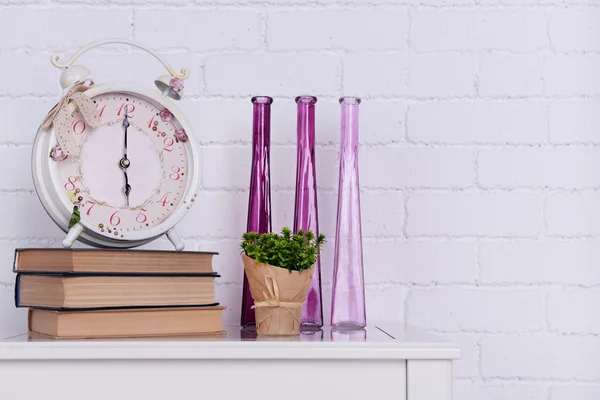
(116, 165)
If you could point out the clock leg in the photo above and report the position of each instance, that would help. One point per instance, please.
(175, 239)
(73, 234)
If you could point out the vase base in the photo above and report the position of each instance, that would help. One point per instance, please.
(310, 326)
(348, 326)
(251, 327)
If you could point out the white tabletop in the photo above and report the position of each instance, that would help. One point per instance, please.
(380, 341)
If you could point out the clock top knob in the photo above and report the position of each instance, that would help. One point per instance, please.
(72, 74)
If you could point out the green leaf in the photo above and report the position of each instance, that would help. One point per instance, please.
(75, 217)
(294, 252)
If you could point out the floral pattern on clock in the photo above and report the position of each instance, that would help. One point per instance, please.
(157, 170)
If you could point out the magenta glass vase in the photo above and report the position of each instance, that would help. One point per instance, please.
(306, 215)
(348, 297)
(259, 201)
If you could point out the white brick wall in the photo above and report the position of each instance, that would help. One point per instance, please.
(574, 121)
(200, 31)
(479, 155)
(562, 302)
(555, 167)
(476, 310)
(447, 75)
(552, 262)
(337, 29)
(501, 392)
(276, 74)
(572, 75)
(569, 392)
(511, 75)
(512, 214)
(540, 356)
(374, 74)
(469, 121)
(573, 213)
(479, 30)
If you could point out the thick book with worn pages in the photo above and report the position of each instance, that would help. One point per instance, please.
(112, 261)
(73, 291)
(126, 322)
(197, 337)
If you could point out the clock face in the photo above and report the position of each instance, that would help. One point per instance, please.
(156, 166)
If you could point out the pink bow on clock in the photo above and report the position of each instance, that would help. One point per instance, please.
(58, 117)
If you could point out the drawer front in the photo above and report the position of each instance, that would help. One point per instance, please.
(220, 379)
(429, 379)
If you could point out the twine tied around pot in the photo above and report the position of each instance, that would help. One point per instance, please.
(272, 298)
(58, 117)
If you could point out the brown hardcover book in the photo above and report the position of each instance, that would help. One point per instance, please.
(198, 337)
(126, 322)
(89, 292)
(112, 261)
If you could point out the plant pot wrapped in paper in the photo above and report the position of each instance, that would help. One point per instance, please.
(278, 296)
(280, 279)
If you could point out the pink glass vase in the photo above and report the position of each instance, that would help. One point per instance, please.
(306, 215)
(348, 297)
(347, 335)
(259, 201)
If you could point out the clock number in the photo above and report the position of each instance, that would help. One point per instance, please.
(164, 199)
(141, 217)
(169, 144)
(114, 219)
(150, 122)
(89, 210)
(101, 110)
(130, 108)
(70, 185)
(175, 175)
(79, 126)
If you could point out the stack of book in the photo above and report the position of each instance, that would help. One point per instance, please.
(83, 293)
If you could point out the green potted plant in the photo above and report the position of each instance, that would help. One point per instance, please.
(279, 268)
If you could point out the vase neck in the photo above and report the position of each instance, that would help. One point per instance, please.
(261, 121)
(349, 122)
(306, 121)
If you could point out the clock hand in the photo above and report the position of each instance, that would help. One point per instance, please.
(125, 163)
(127, 186)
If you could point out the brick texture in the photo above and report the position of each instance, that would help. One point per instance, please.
(478, 156)
(572, 75)
(580, 392)
(278, 75)
(562, 302)
(546, 262)
(333, 30)
(574, 121)
(446, 75)
(573, 214)
(477, 122)
(476, 309)
(556, 168)
(467, 390)
(476, 30)
(511, 75)
(473, 214)
(540, 356)
(375, 75)
(200, 31)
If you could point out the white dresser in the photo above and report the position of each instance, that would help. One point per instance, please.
(382, 362)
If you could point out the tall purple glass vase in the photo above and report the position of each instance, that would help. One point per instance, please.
(348, 297)
(306, 215)
(259, 201)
